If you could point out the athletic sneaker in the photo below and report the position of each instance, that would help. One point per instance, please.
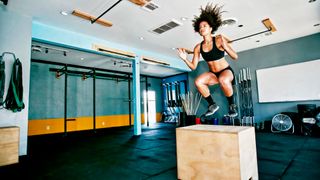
(233, 110)
(212, 109)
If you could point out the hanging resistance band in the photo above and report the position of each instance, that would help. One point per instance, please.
(2, 79)
(14, 99)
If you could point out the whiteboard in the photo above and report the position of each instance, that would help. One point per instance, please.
(294, 82)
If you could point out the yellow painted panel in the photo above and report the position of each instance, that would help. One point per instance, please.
(80, 123)
(56, 125)
(47, 126)
(158, 117)
(112, 121)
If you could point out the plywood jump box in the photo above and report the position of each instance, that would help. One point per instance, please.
(9, 145)
(216, 152)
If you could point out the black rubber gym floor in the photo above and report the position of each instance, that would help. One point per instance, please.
(116, 154)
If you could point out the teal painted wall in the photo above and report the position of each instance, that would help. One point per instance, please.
(47, 94)
(294, 51)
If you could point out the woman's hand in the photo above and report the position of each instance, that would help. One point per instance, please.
(182, 53)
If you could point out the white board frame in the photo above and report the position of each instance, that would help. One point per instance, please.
(293, 82)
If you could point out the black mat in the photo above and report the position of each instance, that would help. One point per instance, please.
(116, 154)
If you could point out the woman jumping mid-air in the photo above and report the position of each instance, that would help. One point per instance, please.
(212, 49)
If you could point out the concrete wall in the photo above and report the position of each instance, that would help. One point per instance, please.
(294, 51)
(15, 37)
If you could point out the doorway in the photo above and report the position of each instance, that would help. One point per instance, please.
(149, 107)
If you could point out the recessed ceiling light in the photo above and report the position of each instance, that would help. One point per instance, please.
(310, 1)
(82, 59)
(184, 18)
(173, 48)
(257, 41)
(141, 38)
(315, 25)
(240, 25)
(229, 22)
(65, 13)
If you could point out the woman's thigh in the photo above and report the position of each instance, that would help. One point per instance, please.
(207, 78)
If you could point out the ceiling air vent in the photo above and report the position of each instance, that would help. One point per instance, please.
(166, 27)
(150, 6)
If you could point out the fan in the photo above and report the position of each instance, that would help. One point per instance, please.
(281, 123)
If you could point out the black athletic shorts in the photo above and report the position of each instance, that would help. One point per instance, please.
(218, 74)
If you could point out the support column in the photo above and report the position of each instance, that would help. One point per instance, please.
(136, 96)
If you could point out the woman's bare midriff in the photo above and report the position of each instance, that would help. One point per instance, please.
(218, 65)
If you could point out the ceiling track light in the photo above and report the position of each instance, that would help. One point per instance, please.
(39, 48)
(36, 48)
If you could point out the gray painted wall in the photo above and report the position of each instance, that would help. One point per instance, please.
(15, 36)
(47, 94)
(284, 53)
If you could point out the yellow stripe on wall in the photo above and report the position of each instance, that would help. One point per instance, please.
(56, 125)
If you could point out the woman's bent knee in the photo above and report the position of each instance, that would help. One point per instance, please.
(198, 83)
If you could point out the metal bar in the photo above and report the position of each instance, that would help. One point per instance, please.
(77, 66)
(185, 86)
(88, 73)
(129, 96)
(93, 21)
(94, 100)
(250, 35)
(85, 67)
(65, 99)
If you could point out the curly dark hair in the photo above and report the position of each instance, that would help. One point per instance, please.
(210, 14)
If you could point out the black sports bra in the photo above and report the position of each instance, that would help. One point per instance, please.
(213, 55)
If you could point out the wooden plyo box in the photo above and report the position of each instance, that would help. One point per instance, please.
(216, 152)
(9, 145)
